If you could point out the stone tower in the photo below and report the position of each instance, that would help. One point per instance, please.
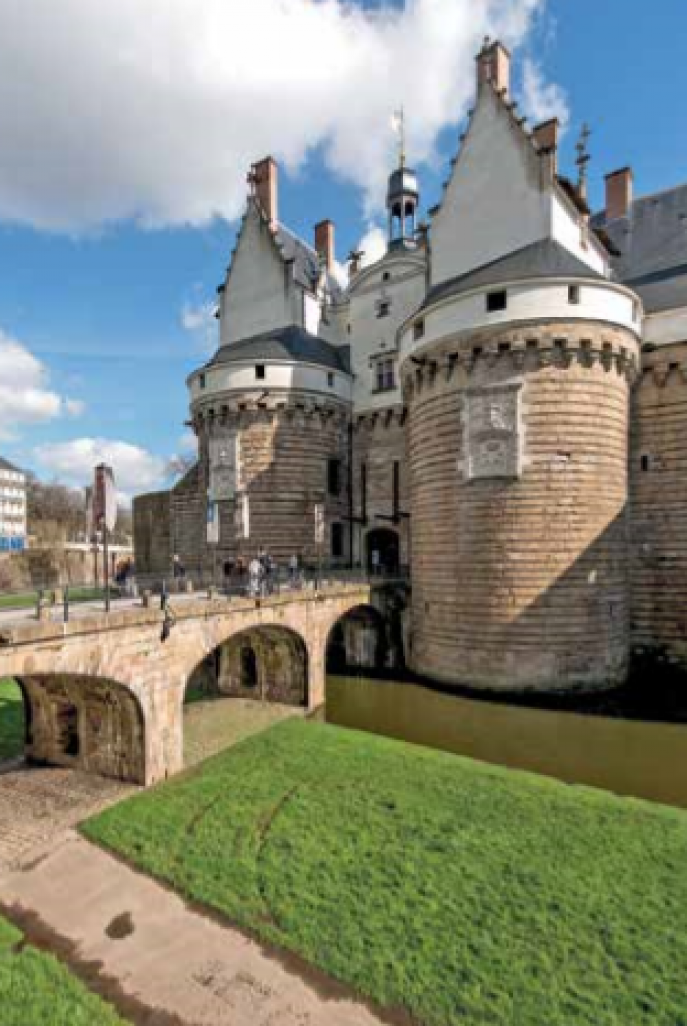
(517, 371)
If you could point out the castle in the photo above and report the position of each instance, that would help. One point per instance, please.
(499, 402)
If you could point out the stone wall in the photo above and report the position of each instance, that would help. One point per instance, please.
(518, 448)
(379, 442)
(658, 495)
(37, 568)
(152, 541)
(268, 665)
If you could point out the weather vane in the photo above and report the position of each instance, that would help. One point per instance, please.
(398, 125)
(582, 158)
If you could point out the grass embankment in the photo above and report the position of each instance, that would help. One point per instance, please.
(36, 989)
(28, 599)
(468, 894)
(11, 719)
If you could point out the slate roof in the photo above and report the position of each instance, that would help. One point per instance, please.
(543, 259)
(6, 465)
(288, 343)
(652, 241)
(305, 259)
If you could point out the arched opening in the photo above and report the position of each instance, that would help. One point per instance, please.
(85, 723)
(382, 550)
(358, 641)
(251, 680)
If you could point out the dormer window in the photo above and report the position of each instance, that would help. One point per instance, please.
(201, 381)
(574, 294)
(496, 301)
(260, 371)
(386, 275)
(383, 308)
(418, 329)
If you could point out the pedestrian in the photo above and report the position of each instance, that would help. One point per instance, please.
(255, 573)
(374, 560)
(293, 570)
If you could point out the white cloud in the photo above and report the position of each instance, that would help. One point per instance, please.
(542, 100)
(25, 393)
(135, 469)
(188, 442)
(372, 245)
(200, 321)
(154, 111)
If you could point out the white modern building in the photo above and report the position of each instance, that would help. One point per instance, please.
(12, 507)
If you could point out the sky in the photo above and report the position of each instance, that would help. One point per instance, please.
(127, 128)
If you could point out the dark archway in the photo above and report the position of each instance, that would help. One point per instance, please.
(385, 543)
(357, 641)
(267, 663)
(84, 723)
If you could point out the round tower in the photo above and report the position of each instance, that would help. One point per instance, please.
(271, 416)
(518, 410)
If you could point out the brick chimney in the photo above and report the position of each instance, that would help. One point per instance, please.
(618, 193)
(264, 176)
(493, 65)
(545, 137)
(324, 242)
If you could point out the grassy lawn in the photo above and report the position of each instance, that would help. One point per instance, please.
(37, 990)
(28, 599)
(468, 894)
(11, 719)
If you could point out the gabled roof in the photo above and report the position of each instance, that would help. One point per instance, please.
(652, 245)
(291, 343)
(543, 259)
(305, 260)
(6, 465)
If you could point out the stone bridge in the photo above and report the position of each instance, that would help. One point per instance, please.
(106, 692)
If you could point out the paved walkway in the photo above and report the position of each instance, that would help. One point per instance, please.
(38, 804)
(159, 955)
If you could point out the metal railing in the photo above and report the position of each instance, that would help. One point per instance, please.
(56, 601)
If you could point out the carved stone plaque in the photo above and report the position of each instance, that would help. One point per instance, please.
(223, 454)
(493, 431)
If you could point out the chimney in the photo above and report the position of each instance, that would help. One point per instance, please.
(264, 178)
(324, 242)
(355, 261)
(493, 65)
(545, 138)
(618, 193)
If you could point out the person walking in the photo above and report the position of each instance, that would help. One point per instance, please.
(255, 573)
(293, 570)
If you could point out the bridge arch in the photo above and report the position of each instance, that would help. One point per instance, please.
(267, 661)
(357, 639)
(89, 723)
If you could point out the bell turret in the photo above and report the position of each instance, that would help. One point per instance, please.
(403, 196)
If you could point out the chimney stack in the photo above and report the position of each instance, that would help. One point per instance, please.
(264, 180)
(618, 193)
(545, 137)
(324, 242)
(493, 65)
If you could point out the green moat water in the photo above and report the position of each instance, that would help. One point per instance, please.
(629, 757)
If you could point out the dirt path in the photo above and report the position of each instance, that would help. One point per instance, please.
(153, 954)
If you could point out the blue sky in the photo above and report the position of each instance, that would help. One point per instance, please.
(97, 298)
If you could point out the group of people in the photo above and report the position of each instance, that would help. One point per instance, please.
(263, 572)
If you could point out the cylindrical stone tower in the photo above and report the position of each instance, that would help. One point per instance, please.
(272, 428)
(518, 450)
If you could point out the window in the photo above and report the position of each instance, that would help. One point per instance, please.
(337, 540)
(418, 329)
(383, 308)
(330, 379)
(386, 275)
(385, 378)
(334, 477)
(574, 294)
(260, 371)
(496, 301)
(646, 462)
(201, 381)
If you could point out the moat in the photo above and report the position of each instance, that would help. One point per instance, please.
(628, 757)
